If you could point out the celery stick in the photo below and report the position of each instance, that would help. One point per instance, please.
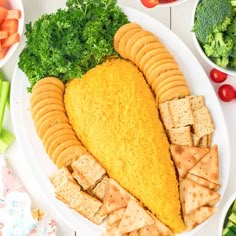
(8, 97)
(4, 92)
(1, 75)
(3, 78)
(6, 139)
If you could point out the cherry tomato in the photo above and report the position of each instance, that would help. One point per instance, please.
(166, 1)
(218, 76)
(226, 92)
(150, 3)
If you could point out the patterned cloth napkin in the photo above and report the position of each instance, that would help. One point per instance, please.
(15, 208)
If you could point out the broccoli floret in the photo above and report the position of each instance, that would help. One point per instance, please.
(223, 26)
(212, 16)
(233, 51)
(233, 3)
(221, 61)
(231, 30)
(232, 63)
(219, 46)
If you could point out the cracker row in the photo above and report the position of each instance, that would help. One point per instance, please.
(145, 50)
(49, 81)
(52, 124)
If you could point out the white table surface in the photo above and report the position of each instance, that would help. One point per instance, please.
(177, 18)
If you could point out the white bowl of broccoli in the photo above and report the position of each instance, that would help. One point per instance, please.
(227, 226)
(214, 33)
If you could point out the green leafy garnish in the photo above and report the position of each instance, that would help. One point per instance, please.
(71, 41)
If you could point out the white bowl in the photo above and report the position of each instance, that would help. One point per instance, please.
(225, 211)
(14, 4)
(202, 53)
(170, 4)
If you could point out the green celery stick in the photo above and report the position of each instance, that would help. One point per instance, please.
(4, 92)
(6, 139)
(1, 75)
(3, 78)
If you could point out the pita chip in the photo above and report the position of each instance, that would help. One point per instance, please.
(213, 202)
(208, 166)
(158, 229)
(98, 218)
(198, 216)
(115, 197)
(163, 229)
(111, 232)
(134, 233)
(194, 195)
(149, 230)
(115, 217)
(135, 218)
(186, 157)
(202, 181)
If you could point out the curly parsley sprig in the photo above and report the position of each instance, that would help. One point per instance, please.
(69, 42)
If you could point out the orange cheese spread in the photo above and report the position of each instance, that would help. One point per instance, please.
(113, 112)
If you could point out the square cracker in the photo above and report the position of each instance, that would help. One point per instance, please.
(60, 176)
(203, 141)
(87, 171)
(165, 115)
(100, 189)
(181, 112)
(180, 136)
(67, 191)
(203, 122)
(196, 140)
(196, 102)
(87, 206)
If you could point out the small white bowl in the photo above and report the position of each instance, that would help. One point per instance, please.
(170, 4)
(225, 211)
(14, 4)
(202, 53)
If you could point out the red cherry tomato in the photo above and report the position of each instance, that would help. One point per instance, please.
(226, 92)
(166, 1)
(150, 3)
(218, 76)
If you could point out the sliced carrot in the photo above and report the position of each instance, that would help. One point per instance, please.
(13, 14)
(3, 13)
(3, 34)
(3, 53)
(11, 26)
(10, 40)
